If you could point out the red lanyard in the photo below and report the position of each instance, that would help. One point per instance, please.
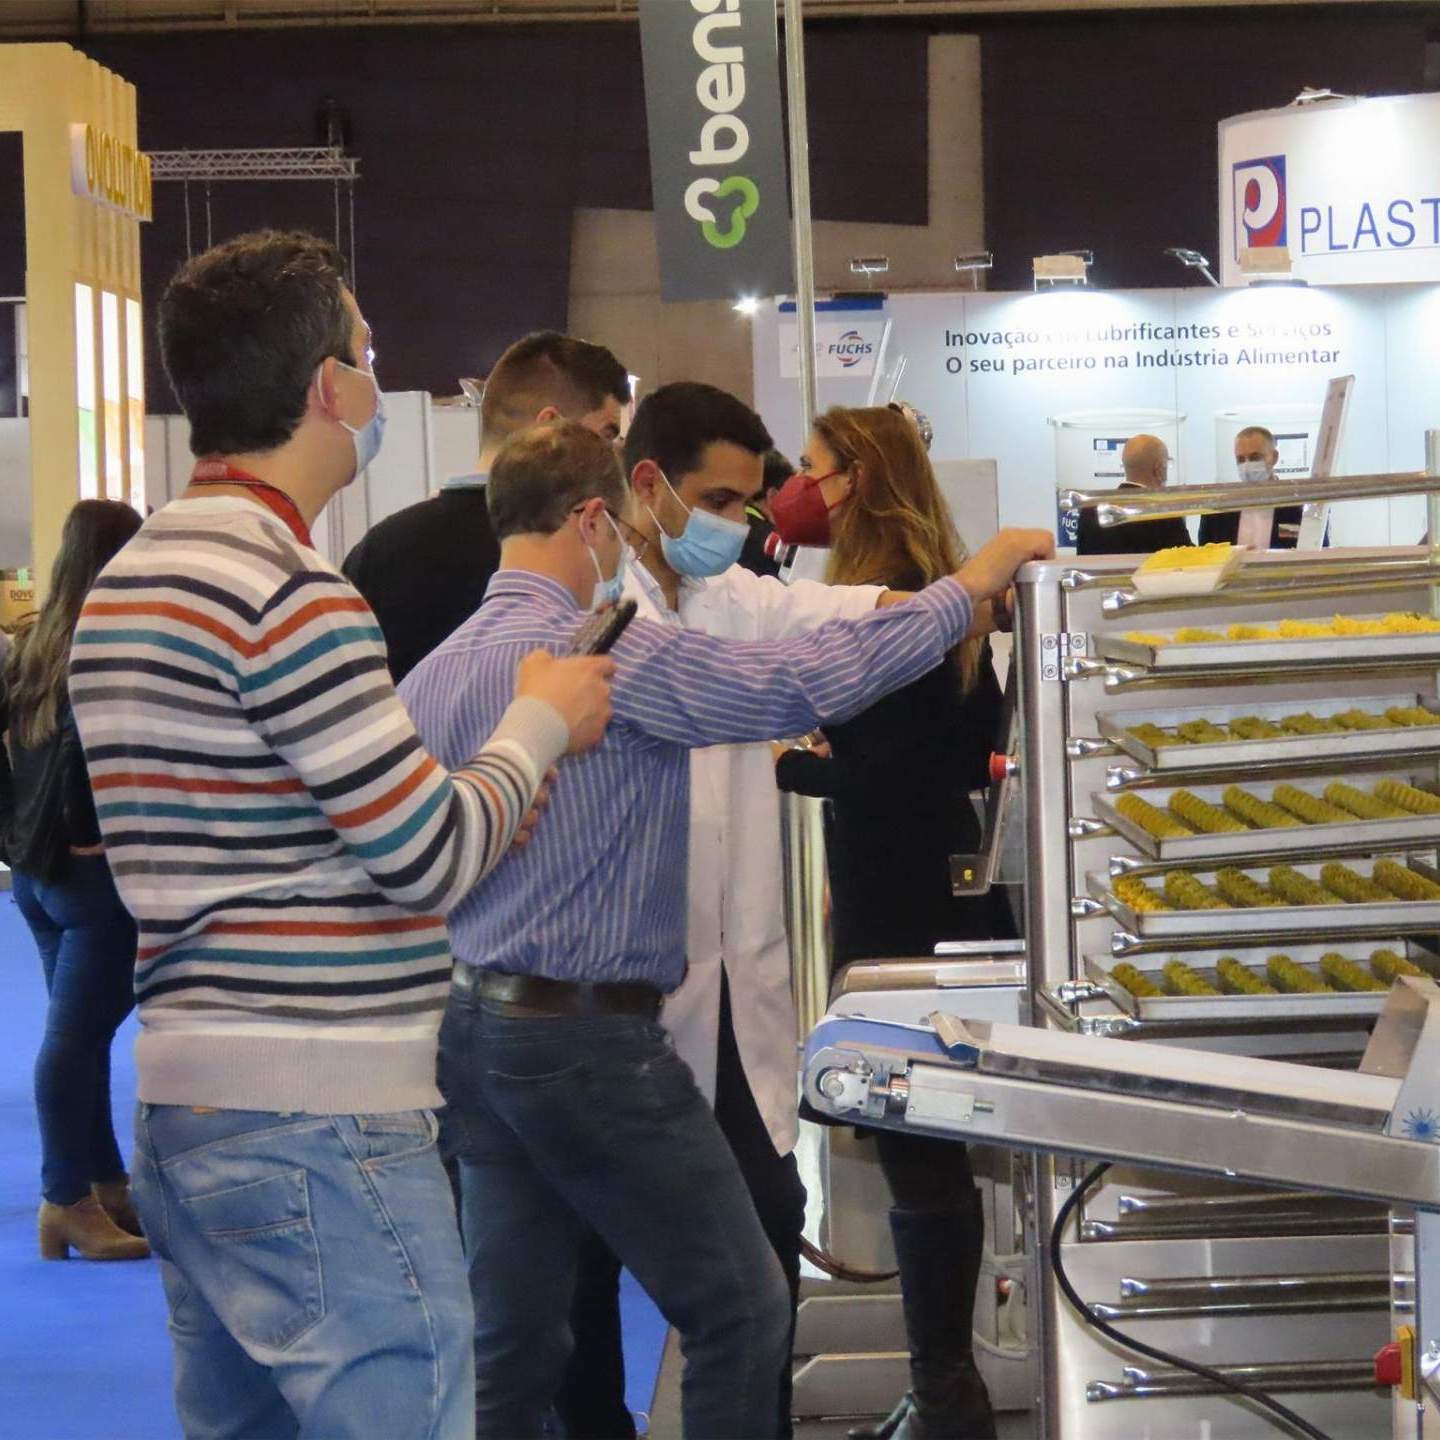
(217, 472)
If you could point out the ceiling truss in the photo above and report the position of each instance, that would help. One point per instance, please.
(70, 18)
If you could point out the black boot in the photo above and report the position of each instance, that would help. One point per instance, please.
(938, 1253)
(883, 1429)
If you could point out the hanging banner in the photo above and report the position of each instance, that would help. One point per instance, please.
(717, 169)
(1350, 186)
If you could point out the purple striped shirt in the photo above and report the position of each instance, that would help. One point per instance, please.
(599, 893)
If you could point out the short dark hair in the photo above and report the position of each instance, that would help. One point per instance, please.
(242, 328)
(543, 473)
(778, 470)
(1268, 436)
(674, 424)
(548, 368)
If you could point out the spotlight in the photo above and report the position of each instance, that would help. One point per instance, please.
(972, 265)
(746, 305)
(1267, 265)
(1067, 267)
(1193, 260)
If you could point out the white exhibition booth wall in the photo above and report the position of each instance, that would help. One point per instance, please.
(1350, 186)
(425, 444)
(1049, 384)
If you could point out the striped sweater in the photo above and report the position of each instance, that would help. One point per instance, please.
(285, 843)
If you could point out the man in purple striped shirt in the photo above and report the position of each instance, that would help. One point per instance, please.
(570, 1105)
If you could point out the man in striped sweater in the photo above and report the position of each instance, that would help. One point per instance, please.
(289, 851)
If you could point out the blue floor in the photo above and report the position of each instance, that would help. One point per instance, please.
(83, 1349)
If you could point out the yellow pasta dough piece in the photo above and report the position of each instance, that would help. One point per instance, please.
(1182, 979)
(1135, 893)
(1288, 975)
(1239, 889)
(1201, 732)
(1342, 974)
(1185, 892)
(1350, 886)
(1299, 889)
(1238, 979)
(1388, 965)
(1310, 808)
(1137, 982)
(1412, 715)
(1409, 797)
(1201, 815)
(1357, 802)
(1255, 811)
(1405, 883)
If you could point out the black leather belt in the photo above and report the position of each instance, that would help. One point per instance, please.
(535, 993)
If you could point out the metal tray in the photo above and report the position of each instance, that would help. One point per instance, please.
(1331, 651)
(1349, 745)
(1394, 917)
(1365, 1003)
(1351, 837)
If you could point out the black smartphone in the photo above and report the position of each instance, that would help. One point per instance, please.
(600, 632)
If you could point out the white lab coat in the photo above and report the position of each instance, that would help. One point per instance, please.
(736, 907)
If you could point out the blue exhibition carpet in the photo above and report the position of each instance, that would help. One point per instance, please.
(83, 1349)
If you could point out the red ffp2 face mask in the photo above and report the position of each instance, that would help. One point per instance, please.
(799, 510)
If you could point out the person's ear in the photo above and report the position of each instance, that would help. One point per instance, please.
(645, 482)
(324, 389)
(592, 520)
(548, 415)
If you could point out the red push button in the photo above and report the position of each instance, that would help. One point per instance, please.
(1001, 766)
(1388, 1364)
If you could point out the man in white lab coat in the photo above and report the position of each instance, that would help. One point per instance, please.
(694, 455)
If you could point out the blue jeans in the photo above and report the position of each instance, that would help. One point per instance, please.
(313, 1272)
(564, 1122)
(86, 941)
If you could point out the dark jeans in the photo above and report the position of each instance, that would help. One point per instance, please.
(564, 1123)
(86, 941)
(591, 1403)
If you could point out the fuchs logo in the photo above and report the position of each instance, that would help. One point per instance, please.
(850, 349)
(724, 137)
(1258, 188)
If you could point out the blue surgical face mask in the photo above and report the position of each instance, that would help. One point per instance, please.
(1253, 472)
(367, 437)
(608, 592)
(708, 545)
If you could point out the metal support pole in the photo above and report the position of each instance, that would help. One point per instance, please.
(800, 206)
(801, 823)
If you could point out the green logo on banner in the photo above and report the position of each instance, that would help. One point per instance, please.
(749, 204)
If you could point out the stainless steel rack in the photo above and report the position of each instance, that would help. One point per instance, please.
(1085, 685)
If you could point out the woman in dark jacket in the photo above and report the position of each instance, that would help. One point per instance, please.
(900, 777)
(62, 885)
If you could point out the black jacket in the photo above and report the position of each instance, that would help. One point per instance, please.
(1226, 526)
(900, 781)
(1139, 537)
(45, 800)
(424, 570)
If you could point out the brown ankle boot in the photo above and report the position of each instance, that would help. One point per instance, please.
(84, 1226)
(114, 1195)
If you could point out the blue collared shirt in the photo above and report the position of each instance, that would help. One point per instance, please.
(599, 892)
